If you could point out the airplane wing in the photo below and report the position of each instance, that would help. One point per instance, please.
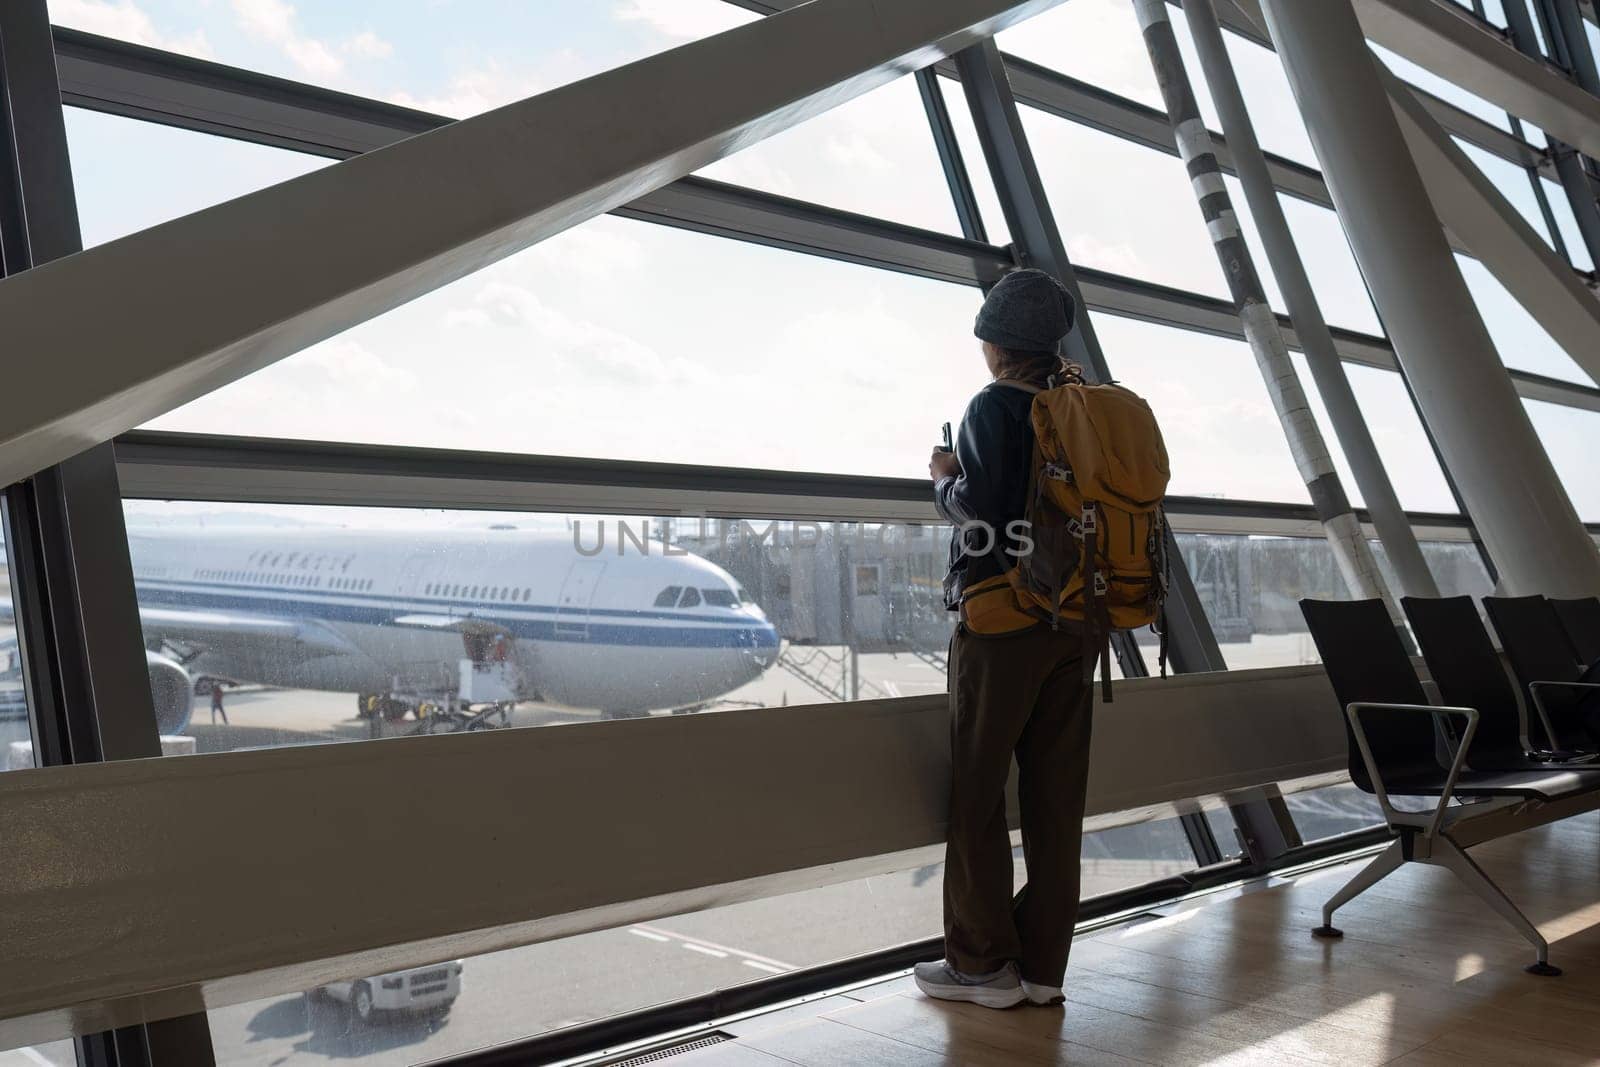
(224, 630)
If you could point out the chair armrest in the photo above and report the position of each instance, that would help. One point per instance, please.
(1393, 814)
(1534, 688)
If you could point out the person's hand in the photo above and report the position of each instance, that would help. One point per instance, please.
(943, 464)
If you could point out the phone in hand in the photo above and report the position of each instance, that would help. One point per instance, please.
(949, 444)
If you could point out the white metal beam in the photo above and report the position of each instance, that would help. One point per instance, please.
(1449, 41)
(1481, 218)
(100, 342)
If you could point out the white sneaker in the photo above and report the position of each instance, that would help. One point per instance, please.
(1043, 995)
(1002, 989)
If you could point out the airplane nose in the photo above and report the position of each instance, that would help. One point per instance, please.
(764, 650)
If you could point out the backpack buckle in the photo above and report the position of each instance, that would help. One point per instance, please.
(1056, 472)
(1090, 522)
(1100, 586)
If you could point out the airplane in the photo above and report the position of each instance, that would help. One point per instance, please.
(388, 614)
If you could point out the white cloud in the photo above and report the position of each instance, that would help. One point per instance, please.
(475, 91)
(125, 21)
(369, 45)
(682, 19)
(587, 346)
(277, 23)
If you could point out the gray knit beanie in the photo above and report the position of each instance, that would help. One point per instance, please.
(1026, 311)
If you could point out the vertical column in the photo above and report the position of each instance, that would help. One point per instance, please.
(1261, 330)
(1038, 243)
(1510, 487)
(77, 619)
(1394, 530)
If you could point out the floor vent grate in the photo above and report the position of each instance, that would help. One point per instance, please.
(657, 1055)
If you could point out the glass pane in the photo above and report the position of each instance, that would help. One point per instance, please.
(1403, 444)
(553, 618)
(1251, 587)
(16, 735)
(452, 60)
(130, 175)
(1567, 223)
(1273, 112)
(1122, 207)
(1097, 41)
(994, 218)
(1522, 343)
(1126, 856)
(1332, 810)
(873, 155)
(1570, 436)
(1222, 435)
(523, 992)
(1336, 280)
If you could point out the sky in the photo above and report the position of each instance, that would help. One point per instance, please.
(623, 339)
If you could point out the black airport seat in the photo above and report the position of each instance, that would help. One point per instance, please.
(1396, 748)
(1581, 619)
(1369, 669)
(1561, 699)
(1468, 672)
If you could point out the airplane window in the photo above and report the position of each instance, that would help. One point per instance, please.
(721, 598)
(691, 598)
(668, 596)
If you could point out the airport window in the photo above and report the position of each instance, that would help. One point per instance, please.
(1330, 810)
(406, 52)
(668, 597)
(177, 172)
(617, 362)
(873, 155)
(1251, 587)
(1335, 278)
(804, 642)
(1570, 436)
(1523, 344)
(539, 988)
(1097, 41)
(1221, 432)
(1266, 91)
(1122, 207)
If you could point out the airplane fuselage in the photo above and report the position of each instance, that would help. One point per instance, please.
(373, 611)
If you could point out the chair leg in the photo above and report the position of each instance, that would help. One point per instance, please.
(1446, 853)
(1383, 864)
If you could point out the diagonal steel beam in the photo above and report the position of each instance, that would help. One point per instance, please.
(185, 307)
(1450, 41)
(1480, 216)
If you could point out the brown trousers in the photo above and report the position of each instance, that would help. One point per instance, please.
(1022, 694)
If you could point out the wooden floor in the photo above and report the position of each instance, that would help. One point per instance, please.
(1426, 975)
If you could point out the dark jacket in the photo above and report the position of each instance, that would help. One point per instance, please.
(995, 448)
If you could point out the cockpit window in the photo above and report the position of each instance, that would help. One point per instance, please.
(721, 598)
(668, 596)
(691, 598)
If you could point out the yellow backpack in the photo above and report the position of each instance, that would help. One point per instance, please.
(1099, 548)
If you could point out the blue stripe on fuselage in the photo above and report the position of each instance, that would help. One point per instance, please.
(577, 628)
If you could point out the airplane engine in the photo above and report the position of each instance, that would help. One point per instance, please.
(172, 693)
